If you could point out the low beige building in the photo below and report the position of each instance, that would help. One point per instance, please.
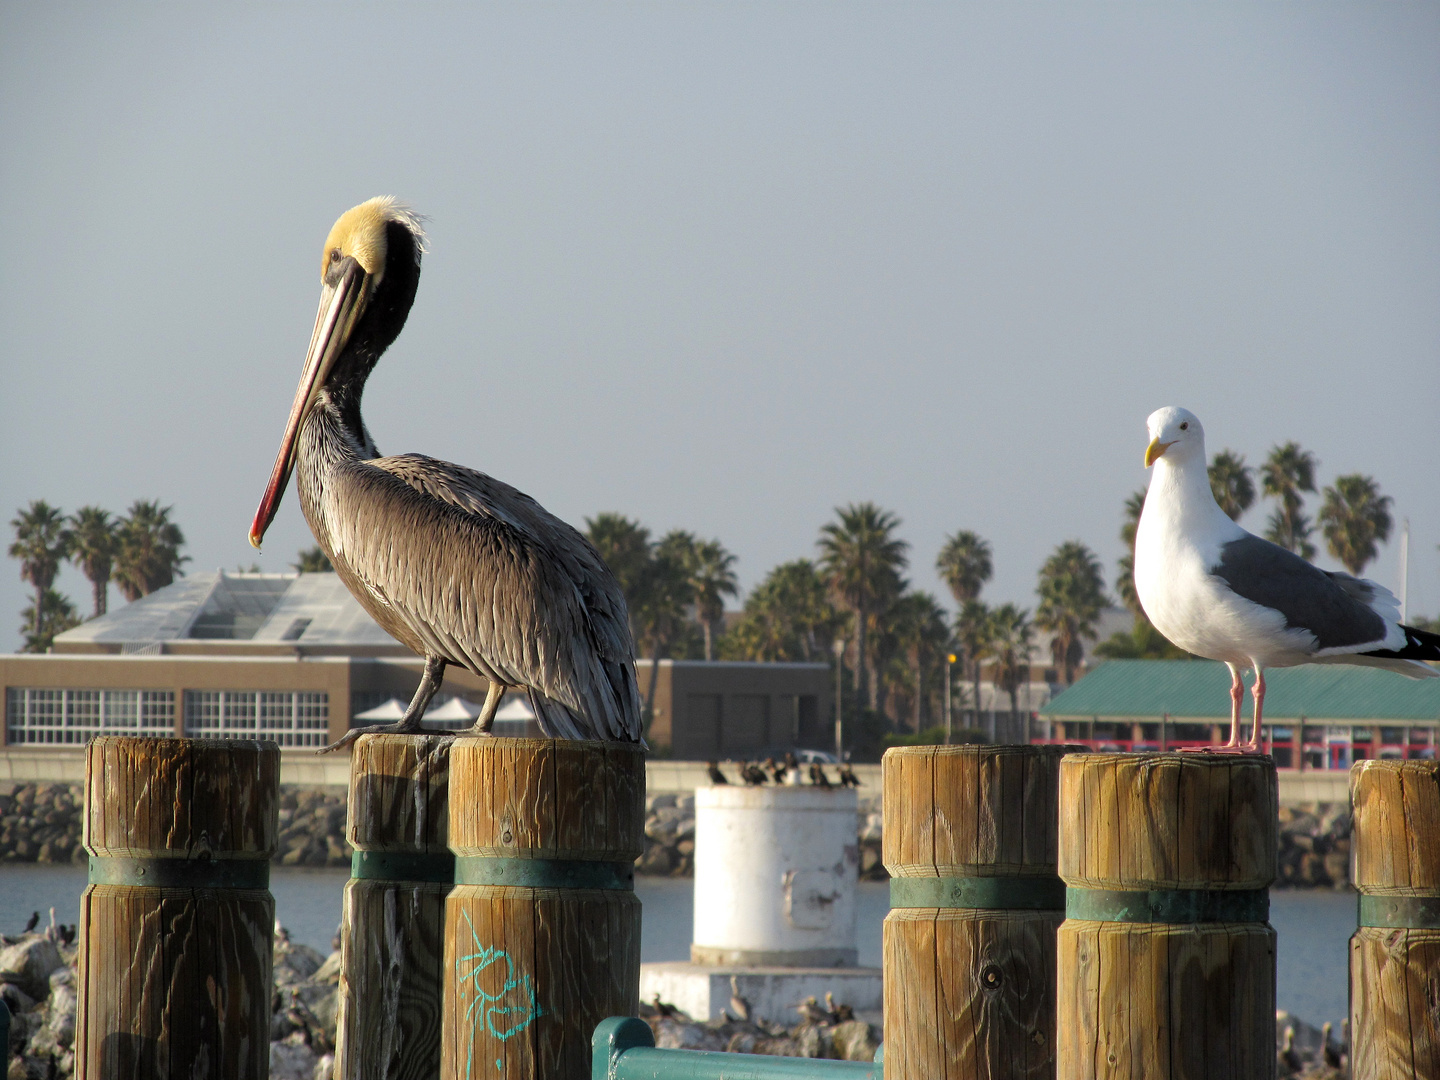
(294, 658)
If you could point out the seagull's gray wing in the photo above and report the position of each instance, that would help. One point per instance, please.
(1333, 607)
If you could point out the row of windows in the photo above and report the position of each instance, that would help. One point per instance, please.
(293, 718)
(290, 717)
(72, 716)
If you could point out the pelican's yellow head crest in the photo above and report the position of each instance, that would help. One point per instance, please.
(359, 234)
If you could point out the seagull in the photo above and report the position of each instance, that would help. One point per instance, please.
(1220, 592)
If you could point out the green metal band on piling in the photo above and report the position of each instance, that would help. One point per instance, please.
(985, 893)
(1400, 912)
(544, 873)
(423, 867)
(1168, 905)
(180, 873)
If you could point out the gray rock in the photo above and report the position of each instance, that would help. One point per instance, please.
(291, 1059)
(855, 1040)
(29, 963)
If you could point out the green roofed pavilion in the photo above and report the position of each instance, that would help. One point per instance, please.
(1200, 690)
(1317, 716)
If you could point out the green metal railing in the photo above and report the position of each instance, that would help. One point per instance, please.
(624, 1049)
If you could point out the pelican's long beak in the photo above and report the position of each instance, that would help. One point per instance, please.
(341, 304)
(1154, 451)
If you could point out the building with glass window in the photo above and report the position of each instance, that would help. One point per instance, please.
(1317, 716)
(293, 657)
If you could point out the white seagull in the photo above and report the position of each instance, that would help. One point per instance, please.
(1218, 591)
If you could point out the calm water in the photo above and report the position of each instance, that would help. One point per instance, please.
(1314, 926)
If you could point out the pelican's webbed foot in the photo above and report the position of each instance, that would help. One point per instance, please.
(388, 729)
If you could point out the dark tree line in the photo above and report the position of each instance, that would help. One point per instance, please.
(140, 552)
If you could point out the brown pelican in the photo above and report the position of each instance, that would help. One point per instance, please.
(455, 564)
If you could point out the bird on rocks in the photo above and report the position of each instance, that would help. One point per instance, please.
(848, 777)
(663, 1008)
(716, 776)
(1287, 1060)
(1328, 1051)
(818, 777)
(739, 1004)
(32, 922)
(839, 1011)
(1220, 592)
(811, 1012)
(778, 771)
(753, 774)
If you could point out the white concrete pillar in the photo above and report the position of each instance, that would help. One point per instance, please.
(775, 872)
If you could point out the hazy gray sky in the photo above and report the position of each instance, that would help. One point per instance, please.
(727, 266)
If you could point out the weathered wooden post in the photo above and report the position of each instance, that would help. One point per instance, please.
(1166, 960)
(176, 925)
(542, 929)
(392, 931)
(1395, 953)
(970, 843)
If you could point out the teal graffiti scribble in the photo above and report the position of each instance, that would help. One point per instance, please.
(503, 1014)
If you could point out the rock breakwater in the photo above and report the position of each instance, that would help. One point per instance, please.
(42, 823)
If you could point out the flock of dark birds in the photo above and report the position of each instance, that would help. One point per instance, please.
(788, 771)
(811, 1011)
(58, 932)
(1334, 1056)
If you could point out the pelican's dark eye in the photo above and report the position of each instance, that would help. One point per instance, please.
(1185, 426)
(334, 255)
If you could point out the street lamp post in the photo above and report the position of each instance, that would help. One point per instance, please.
(949, 659)
(839, 681)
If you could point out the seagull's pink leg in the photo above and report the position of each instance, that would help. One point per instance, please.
(1237, 698)
(1258, 693)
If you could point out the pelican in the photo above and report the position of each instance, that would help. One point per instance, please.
(461, 568)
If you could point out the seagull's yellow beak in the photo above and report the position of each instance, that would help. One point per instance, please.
(1155, 450)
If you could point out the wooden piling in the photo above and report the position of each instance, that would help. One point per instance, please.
(391, 933)
(1166, 957)
(542, 929)
(177, 923)
(969, 947)
(1395, 952)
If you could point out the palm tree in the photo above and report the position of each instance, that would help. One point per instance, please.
(972, 634)
(312, 560)
(788, 616)
(94, 537)
(1231, 483)
(1287, 472)
(149, 552)
(624, 546)
(861, 559)
(710, 570)
(41, 541)
(917, 622)
(1072, 596)
(1011, 637)
(1354, 517)
(1125, 579)
(658, 613)
(52, 614)
(965, 565)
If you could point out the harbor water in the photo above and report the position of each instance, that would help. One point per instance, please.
(1314, 926)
